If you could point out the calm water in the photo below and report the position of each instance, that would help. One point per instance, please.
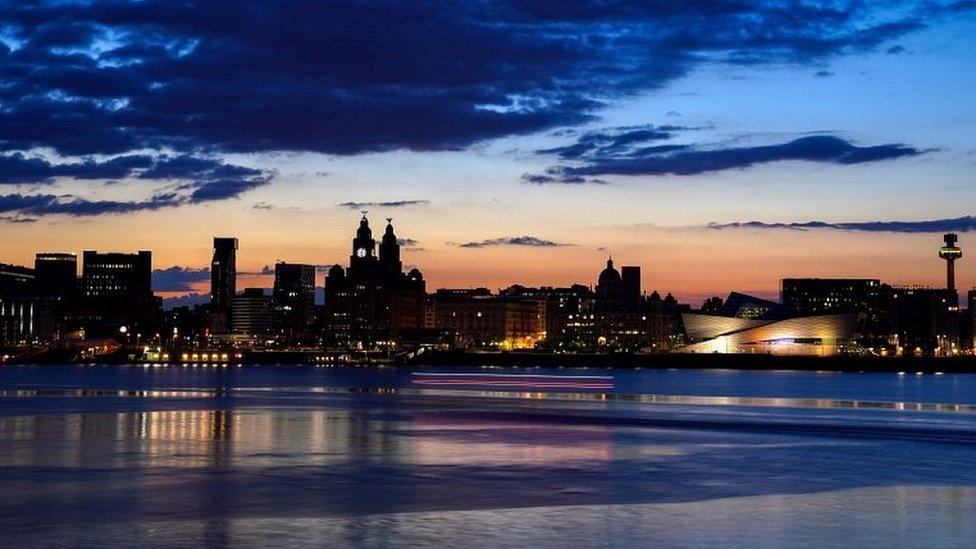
(136, 456)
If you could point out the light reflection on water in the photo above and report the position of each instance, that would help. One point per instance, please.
(300, 463)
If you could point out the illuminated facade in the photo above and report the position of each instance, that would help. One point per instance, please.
(252, 313)
(18, 307)
(489, 321)
(820, 335)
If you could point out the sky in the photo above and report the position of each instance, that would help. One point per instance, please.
(719, 145)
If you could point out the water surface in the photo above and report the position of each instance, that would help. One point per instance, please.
(261, 455)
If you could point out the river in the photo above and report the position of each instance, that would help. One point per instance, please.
(252, 456)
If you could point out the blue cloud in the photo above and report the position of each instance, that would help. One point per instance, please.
(676, 159)
(202, 180)
(113, 77)
(178, 279)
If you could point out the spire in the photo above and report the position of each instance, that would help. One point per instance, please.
(364, 230)
(390, 249)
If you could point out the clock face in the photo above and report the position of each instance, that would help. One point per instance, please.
(361, 252)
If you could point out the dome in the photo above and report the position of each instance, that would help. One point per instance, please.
(414, 274)
(364, 231)
(336, 271)
(609, 275)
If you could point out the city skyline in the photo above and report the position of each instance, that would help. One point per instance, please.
(752, 143)
(191, 286)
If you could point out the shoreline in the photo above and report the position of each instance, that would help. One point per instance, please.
(957, 364)
(447, 359)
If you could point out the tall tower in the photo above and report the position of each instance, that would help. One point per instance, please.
(950, 252)
(223, 275)
(363, 246)
(390, 250)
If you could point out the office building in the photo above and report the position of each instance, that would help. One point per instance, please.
(18, 305)
(294, 300)
(223, 281)
(925, 321)
(816, 296)
(116, 295)
(56, 274)
(253, 314)
(116, 275)
(475, 320)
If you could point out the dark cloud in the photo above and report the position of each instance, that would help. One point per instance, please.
(390, 204)
(178, 279)
(530, 241)
(613, 141)
(823, 74)
(692, 160)
(200, 180)
(112, 77)
(956, 224)
(410, 244)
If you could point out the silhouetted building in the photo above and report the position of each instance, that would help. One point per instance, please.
(56, 285)
(925, 321)
(56, 274)
(373, 303)
(618, 317)
(815, 296)
(630, 277)
(294, 299)
(116, 294)
(713, 305)
(609, 290)
(970, 340)
(223, 281)
(117, 275)
(253, 313)
(18, 306)
(739, 305)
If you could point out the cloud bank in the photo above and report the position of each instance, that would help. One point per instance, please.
(962, 224)
(530, 241)
(98, 83)
(390, 204)
(631, 153)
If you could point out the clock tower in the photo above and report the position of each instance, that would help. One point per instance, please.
(363, 246)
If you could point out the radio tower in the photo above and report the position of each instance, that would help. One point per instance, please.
(950, 252)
